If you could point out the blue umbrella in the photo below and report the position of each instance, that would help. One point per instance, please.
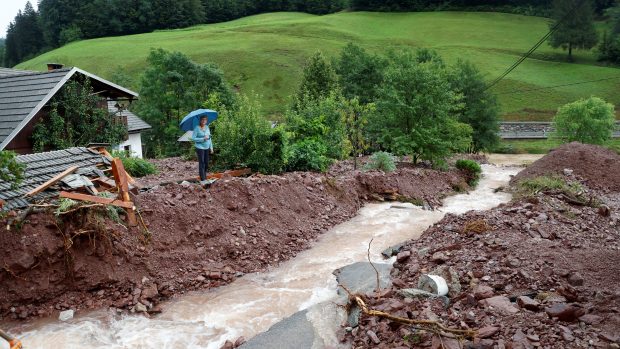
(191, 120)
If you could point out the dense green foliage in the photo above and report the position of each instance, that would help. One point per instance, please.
(264, 54)
(171, 87)
(533, 186)
(609, 48)
(243, 137)
(318, 81)
(23, 37)
(356, 117)
(381, 161)
(575, 25)
(416, 109)
(586, 120)
(472, 170)
(10, 170)
(2, 49)
(479, 105)
(77, 119)
(359, 73)
(136, 167)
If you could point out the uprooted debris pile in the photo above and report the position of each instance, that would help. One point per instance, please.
(198, 238)
(539, 272)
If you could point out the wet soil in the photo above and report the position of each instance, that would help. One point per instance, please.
(539, 272)
(197, 238)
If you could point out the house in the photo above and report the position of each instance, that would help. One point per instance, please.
(25, 98)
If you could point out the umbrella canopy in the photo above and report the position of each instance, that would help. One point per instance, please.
(191, 120)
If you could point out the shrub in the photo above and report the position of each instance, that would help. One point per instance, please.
(308, 155)
(243, 137)
(533, 186)
(589, 120)
(136, 167)
(10, 170)
(471, 169)
(381, 161)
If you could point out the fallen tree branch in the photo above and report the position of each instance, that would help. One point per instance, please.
(373, 266)
(427, 325)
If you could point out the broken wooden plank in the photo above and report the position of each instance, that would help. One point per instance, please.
(103, 151)
(96, 199)
(232, 173)
(120, 177)
(51, 182)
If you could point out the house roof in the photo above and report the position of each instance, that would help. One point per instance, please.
(24, 93)
(134, 123)
(41, 167)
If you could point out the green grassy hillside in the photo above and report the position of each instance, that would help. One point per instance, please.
(265, 53)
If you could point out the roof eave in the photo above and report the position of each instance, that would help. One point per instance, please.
(100, 79)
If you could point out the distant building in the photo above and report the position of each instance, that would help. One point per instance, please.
(25, 98)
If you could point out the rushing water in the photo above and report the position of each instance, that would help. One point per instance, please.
(254, 302)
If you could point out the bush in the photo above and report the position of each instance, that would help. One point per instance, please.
(472, 170)
(136, 167)
(381, 161)
(243, 137)
(589, 120)
(309, 155)
(533, 186)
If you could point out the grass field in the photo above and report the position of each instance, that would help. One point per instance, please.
(541, 146)
(264, 54)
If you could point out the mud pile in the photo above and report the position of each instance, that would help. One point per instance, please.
(197, 238)
(598, 167)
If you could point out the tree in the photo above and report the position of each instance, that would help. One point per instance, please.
(479, 105)
(2, 49)
(172, 86)
(318, 81)
(76, 119)
(590, 120)
(10, 170)
(575, 26)
(415, 111)
(359, 73)
(23, 36)
(356, 120)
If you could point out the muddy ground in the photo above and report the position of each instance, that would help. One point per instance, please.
(197, 238)
(540, 272)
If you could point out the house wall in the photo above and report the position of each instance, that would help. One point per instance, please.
(134, 142)
(22, 143)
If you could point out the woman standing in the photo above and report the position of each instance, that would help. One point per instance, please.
(204, 146)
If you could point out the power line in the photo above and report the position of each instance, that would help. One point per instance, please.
(535, 47)
(563, 85)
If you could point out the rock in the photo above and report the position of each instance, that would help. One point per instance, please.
(500, 304)
(140, 308)
(487, 332)
(391, 251)
(373, 337)
(528, 303)
(445, 343)
(568, 171)
(403, 256)
(24, 262)
(591, 319)
(239, 341)
(439, 257)
(228, 345)
(533, 337)
(575, 279)
(483, 292)
(149, 292)
(66, 315)
(564, 312)
(415, 293)
(353, 318)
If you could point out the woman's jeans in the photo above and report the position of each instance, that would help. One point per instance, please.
(203, 162)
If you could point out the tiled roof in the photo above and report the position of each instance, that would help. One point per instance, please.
(24, 93)
(40, 167)
(134, 123)
(20, 94)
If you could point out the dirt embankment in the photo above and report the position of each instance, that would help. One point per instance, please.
(199, 238)
(539, 272)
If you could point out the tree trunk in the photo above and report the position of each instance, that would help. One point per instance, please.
(570, 51)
